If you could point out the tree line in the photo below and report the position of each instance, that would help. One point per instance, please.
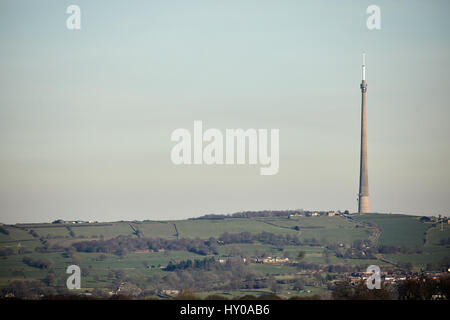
(252, 214)
(3, 230)
(121, 245)
(205, 264)
(38, 263)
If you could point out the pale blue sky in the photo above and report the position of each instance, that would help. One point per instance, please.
(86, 116)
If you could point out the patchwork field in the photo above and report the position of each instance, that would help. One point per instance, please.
(54, 242)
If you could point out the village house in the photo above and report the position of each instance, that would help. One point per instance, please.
(275, 260)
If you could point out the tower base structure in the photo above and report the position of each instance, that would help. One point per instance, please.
(363, 206)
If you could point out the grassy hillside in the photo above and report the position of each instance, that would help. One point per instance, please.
(397, 230)
(28, 240)
(408, 231)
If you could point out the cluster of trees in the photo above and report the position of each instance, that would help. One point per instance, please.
(211, 217)
(3, 230)
(388, 249)
(23, 250)
(307, 266)
(46, 247)
(27, 289)
(263, 237)
(255, 281)
(38, 263)
(33, 233)
(205, 264)
(231, 275)
(4, 252)
(121, 245)
(353, 253)
(345, 291)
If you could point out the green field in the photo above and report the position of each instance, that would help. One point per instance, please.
(396, 230)
(215, 228)
(408, 231)
(436, 234)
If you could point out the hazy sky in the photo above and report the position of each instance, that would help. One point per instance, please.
(86, 115)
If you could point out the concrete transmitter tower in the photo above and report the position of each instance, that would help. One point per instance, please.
(363, 196)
